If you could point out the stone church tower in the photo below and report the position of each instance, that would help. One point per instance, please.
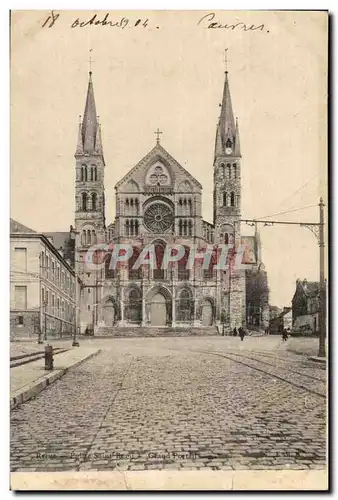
(89, 201)
(227, 206)
(227, 172)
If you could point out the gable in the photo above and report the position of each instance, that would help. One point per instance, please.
(158, 168)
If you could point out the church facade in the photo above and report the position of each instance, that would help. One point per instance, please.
(159, 203)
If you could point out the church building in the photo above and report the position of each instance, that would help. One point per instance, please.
(158, 202)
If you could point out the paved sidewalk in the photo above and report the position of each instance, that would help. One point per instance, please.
(28, 347)
(29, 379)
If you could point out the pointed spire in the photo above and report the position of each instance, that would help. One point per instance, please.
(227, 121)
(79, 146)
(218, 142)
(98, 140)
(89, 123)
(237, 141)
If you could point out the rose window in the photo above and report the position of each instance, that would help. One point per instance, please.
(158, 218)
(158, 177)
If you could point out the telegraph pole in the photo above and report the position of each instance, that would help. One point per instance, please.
(316, 228)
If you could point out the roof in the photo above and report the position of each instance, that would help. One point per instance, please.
(157, 149)
(60, 239)
(307, 288)
(17, 227)
(312, 288)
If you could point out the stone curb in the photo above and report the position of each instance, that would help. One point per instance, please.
(27, 392)
(317, 359)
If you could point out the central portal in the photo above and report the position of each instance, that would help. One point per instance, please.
(158, 310)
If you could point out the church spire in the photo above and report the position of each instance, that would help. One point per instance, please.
(89, 123)
(227, 130)
(237, 142)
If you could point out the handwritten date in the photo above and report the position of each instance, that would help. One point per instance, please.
(95, 20)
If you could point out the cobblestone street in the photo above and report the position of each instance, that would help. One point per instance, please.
(177, 403)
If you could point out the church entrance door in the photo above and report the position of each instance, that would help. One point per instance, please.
(207, 313)
(108, 314)
(158, 310)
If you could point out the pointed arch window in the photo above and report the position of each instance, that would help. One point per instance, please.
(232, 199)
(84, 201)
(132, 226)
(94, 201)
(224, 199)
(159, 273)
(228, 170)
(190, 227)
(134, 273)
(83, 238)
(89, 237)
(222, 169)
(180, 227)
(226, 238)
(190, 206)
(93, 173)
(183, 272)
(84, 173)
(234, 169)
(93, 237)
(127, 227)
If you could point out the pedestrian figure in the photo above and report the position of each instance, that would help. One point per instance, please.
(235, 332)
(241, 333)
(285, 335)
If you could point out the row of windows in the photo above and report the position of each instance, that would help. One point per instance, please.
(185, 206)
(88, 237)
(88, 173)
(132, 227)
(89, 202)
(158, 273)
(185, 227)
(53, 272)
(229, 171)
(132, 206)
(230, 200)
(54, 305)
(208, 233)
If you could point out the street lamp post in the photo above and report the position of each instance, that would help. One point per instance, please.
(45, 318)
(73, 234)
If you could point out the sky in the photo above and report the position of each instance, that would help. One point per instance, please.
(170, 74)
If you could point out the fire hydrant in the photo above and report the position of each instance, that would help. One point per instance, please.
(48, 357)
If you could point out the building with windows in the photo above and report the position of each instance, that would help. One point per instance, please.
(42, 283)
(158, 202)
(305, 307)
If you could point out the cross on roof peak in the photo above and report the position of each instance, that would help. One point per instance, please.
(158, 133)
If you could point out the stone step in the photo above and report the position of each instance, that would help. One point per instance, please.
(155, 332)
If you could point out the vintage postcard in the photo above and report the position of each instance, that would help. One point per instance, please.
(168, 243)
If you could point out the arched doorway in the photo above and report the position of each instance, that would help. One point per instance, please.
(158, 310)
(207, 313)
(134, 306)
(108, 313)
(185, 306)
